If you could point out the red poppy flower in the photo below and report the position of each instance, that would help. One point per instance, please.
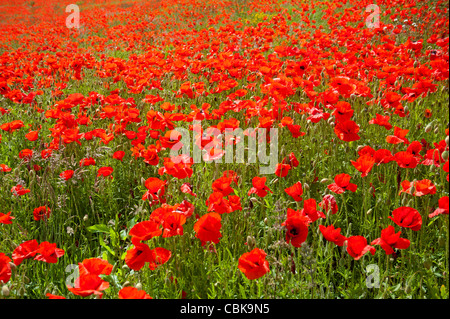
(173, 224)
(118, 155)
(406, 160)
(332, 234)
(133, 293)
(398, 137)
(42, 212)
(158, 257)
(222, 185)
(282, 170)
(105, 171)
(295, 191)
(208, 227)
(48, 252)
(383, 156)
(6, 218)
(51, 296)
(293, 160)
(382, 121)
(329, 203)
(5, 268)
(94, 266)
(218, 203)
(443, 207)
(407, 217)
(343, 111)
(296, 227)
(364, 164)
(187, 189)
(137, 256)
(24, 251)
(254, 264)
(178, 166)
(145, 230)
(32, 136)
(87, 285)
(87, 161)
(66, 175)
(347, 131)
(155, 189)
(259, 187)
(310, 210)
(357, 247)
(424, 187)
(342, 184)
(389, 240)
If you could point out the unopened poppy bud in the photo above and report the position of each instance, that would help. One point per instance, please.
(445, 155)
(266, 221)
(332, 124)
(5, 291)
(12, 266)
(126, 284)
(143, 181)
(138, 286)
(428, 128)
(324, 180)
(253, 199)
(436, 130)
(26, 279)
(251, 242)
(21, 291)
(369, 211)
(447, 140)
(405, 201)
(359, 148)
(306, 186)
(85, 218)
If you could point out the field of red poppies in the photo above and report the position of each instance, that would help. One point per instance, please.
(99, 198)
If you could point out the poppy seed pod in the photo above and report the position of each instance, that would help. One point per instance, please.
(5, 291)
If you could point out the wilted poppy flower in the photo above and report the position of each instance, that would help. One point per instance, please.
(342, 184)
(187, 189)
(66, 175)
(443, 207)
(254, 264)
(41, 213)
(259, 187)
(133, 293)
(208, 227)
(333, 234)
(295, 191)
(357, 247)
(389, 240)
(5, 268)
(329, 203)
(407, 217)
(6, 218)
(19, 190)
(296, 227)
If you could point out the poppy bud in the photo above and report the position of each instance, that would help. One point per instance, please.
(26, 279)
(369, 211)
(85, 218)
(251, 242)
(306, 186)
(266, 221)
(404, 200)
(143, 181)
(428, 128)
(5, 291)
(138, 286)
(21, 291)
(447, 140)
(436, 130)
(126, 284)
(324, 180)
(445, 155)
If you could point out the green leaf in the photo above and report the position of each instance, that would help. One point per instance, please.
(99, 228)
(103, 244)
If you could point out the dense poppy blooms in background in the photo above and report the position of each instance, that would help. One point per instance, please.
(254, 264)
